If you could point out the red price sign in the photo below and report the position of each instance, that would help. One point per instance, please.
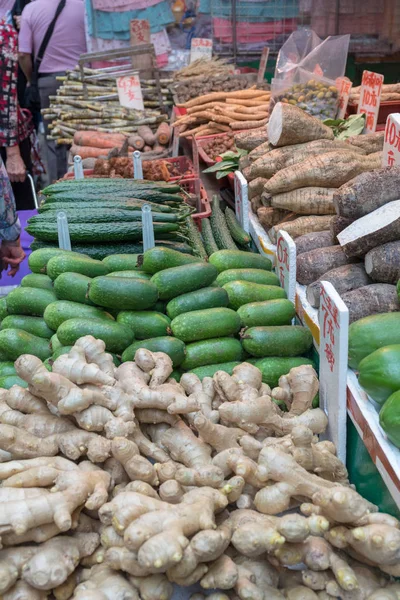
(286, 263)
(200, 48)
(391, 146)
(370, 99)
(333, 348)
(130, 92)
(344, 86)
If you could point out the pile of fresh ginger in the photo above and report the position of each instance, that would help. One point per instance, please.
(118, 483)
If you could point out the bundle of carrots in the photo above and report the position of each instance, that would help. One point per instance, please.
(224, 111)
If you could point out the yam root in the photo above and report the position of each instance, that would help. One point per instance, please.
(383, 263)
(269, 217)
(371, 300)
(312, 241)
(312, 265)
(337, 225)
(305, 201)
(370, 142)
(344, 279)
(256, 187)
(248, 140)
(290, 125)
(301, 225)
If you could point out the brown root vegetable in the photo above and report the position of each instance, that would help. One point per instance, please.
(256, 187)
(146, 133)
(236, 125)
(371, 300)
(136, 141)
(163, 133)
(158, 148)
(302, 225)
(256, 204)
(289, 124)
(260, 151)
(269, 217)
(243, 162)
(337, 225)
(367, 192)
(344, 279)
(377, 228)
(312, 241)
(312, 265)
(248, 140)
(383, 263)
(327, 170)
(306, 201)
(370, 142)
(147, 149)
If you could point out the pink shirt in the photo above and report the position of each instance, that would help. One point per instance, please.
(68, 41)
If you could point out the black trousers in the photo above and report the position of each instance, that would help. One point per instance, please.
(22, 191)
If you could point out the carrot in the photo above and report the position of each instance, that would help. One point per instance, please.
(88, 151)
(301, 226)
(289, 124)
(146, 133)
(136, 141)
(306, 201)
(98, 140)
(248, 124)
(147, 149)
(163, 133)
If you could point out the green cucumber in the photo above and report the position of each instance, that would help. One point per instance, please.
(75, 264)
(130, 275)
(14, 342)
(370, 333)
(122, 262)
(158, 258)
(270, 312)
(3, 308)
(102, 251)
(209, 352)
(208, 297)
(244, 292)
(35, 325)
(38, 259)
(285, 340)
(186, 278)
(73, 287)
(145, 324)
(7, 368)
(389, 418)
(209, 242)
(379, 373)
(210, 370)
(205, 324)
(63, 310)
(219, 227)
(37, 280)
(115, 336)
(55, 343)
(195, 239)
(7, 381)
(261, 276)
(169, 345)
(29, 301)
(60, 351)
(160, 306)
(238, 259)
(235, 229)
(123, 293)
(273, 367)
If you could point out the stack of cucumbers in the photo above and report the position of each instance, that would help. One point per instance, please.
(206, 315)
(104, 215)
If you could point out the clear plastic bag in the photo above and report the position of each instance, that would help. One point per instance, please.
(306, 71)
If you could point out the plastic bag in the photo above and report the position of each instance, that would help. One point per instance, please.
(306, 71)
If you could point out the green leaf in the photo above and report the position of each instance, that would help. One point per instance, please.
(222, 174)
(221, 166)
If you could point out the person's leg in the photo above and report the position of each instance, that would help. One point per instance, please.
(56, 155)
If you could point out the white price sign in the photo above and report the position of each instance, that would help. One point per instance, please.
(263, 65)
(200, 48)
(242, 201)
(344, 86)
(334, 335)
(391, 145)
(130, 92)
(286, 263)
(370, 99)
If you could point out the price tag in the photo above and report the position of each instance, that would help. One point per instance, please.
(286, 263)
(334, 334)
(140, 31)
(263, 65)
(160, 42)
(318, 71)
(370, 99)
(391, 145)
(242, 201)
(344, 86)
(200, 48)
(130, 92)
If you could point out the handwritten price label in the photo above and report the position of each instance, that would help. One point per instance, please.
(200, 48)
(242, 201)
(344, 86)
(140, 31)
(286, 263)
(370, 99)
(391, 146)
(130, 92)
(334, 334)
(263, 65)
